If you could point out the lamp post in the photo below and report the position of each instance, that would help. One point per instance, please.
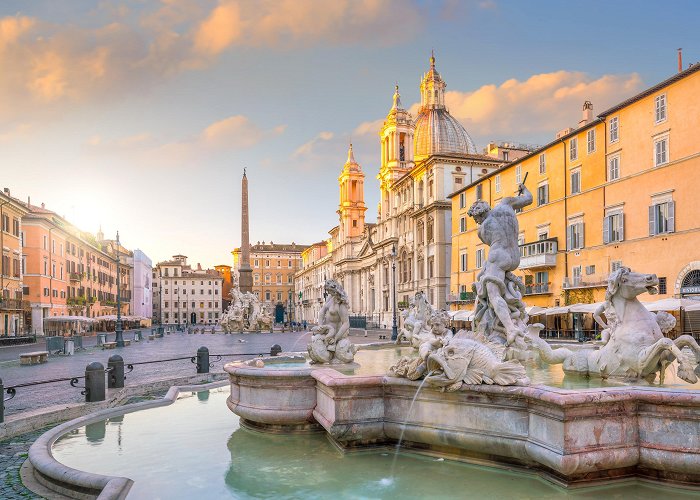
(118, 327)
(394, 329)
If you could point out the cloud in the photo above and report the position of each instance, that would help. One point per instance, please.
(370, 128)
(219, 30)
(543, 104)
(233, 133)
(309, 147)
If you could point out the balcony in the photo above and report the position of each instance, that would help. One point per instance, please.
(75, 276)
(462, 298)
(14, 305)
(585, 282)
(539, 254)
(538, 289)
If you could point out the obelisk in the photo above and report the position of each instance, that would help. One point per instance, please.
(245, 273)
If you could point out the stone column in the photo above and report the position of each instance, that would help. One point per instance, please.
(245, 273)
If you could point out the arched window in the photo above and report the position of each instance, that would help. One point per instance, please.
(692, 278)
(420, 232)
(430, 229)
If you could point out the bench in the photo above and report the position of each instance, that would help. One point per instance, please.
(33, 358)
(109, 345)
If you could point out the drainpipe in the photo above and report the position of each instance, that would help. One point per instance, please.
(566, 214)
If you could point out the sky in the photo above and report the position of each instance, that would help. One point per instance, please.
(139, 116)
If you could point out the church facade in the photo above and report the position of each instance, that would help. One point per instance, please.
(423, 161)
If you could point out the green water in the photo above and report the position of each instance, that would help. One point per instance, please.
(196, 449)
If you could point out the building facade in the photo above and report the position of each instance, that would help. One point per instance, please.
(185, 296)
(274, 266)
(67, 271)
(316, 268)
(142, 275)
(422, 161)
(227, 284)
(619, 190)
(14, 310)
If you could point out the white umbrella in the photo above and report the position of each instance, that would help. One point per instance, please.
(557, 310)
(534, 310)
(463, 316)
(585, 308)
(668, 305)
(694, 307)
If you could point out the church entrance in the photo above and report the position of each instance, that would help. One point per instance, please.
(279, 313)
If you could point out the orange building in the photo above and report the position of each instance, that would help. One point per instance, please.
(225, 273)
(621, 189)
(69, 272)
(13, 309)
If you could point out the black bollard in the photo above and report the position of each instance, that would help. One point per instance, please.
(202, 360)
(275, 350)
(94, 382)
(115, 379)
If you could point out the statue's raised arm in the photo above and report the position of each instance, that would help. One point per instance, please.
(523, 199)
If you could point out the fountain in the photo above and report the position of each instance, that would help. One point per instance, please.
(488, 396)
(245, 314)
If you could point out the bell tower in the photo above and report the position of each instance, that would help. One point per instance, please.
(352, 198)
(396, 139)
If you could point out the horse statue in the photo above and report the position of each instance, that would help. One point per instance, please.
(264, 321)
(635, 347)
(415, 327)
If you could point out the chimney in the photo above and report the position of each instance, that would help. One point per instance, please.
(42, 204)
(7, 191)
(587, 114)
(29, 201)
(680, 60)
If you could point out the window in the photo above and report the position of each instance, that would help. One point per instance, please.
(256, 263)
(576, 273)
(431, 265)
(543, 164)
(462, 200)
(521, 239)
(660, 108)
(662, 218)
(661, 151)
(573, 149)
(615, 265)
(542, 194)
(463, 261)
(267, 296)
(479, 258)
(505, 155)
(575, 181)
(497, 183)
(614, 168)
(614, 227)
(518, 174)
(614, 129)
(430, 229)
(479, 191)
(279, 295)
(462, 224)
(662, 286)
(590, 140)
(574, 236)
(590, 270)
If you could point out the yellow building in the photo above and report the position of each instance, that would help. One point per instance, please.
(621, 189)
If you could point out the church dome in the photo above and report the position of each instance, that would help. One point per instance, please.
(436, 131)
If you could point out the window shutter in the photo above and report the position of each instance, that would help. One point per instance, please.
(606, 230)
(622, 227)
(652, 220)
(671, 216)
(581, 240)
(569, 232)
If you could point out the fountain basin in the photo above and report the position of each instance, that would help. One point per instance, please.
(571, 437)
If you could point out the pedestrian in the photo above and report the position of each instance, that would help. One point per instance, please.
(304, 325)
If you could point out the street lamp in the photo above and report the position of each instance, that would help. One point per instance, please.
(118, 328)
(394, 329)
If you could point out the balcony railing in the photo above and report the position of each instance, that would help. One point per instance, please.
(13, 304)
(541, 253)
(585, 282)
(538, 288)
(462, 297)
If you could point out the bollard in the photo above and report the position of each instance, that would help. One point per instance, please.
(94, 382)
(202, 360)
(275, 350)
(115, 379)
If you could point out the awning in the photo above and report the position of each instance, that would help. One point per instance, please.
(669, 305)
(557, 310)
(585, 308)
(694, 307)
(463, 316)
(66, 319)
(534, 310)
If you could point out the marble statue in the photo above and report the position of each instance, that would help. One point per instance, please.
(500, 312)
(329, 340)
(415, 320)
(634, 346)
(448, 362)
(245, 314)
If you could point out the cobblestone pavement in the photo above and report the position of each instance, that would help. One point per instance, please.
(174, 345)
(13, 453)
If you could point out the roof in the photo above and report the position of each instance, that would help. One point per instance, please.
(439, 132)
(601, 118)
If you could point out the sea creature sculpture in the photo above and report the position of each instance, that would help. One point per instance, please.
(329, 340)
(636, 348)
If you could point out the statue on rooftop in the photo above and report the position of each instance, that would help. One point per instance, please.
(500, 312)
